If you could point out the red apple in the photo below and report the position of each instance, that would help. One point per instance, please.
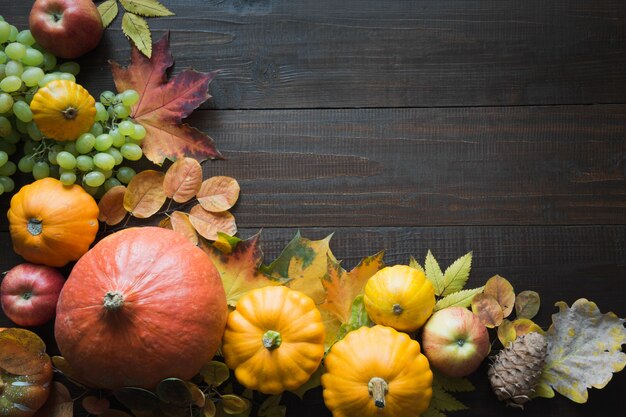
(66, 28)
(29, 294)
(455, 341)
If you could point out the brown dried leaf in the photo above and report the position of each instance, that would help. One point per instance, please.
(144, 195)
(525, 326)
(180, 223)
(111, 206)
(208, 224)
(183, 180)
(95, 405)
(488, 310)
(506, 332)
(59, 404)
(166, 223)
(502, 290)
(527, 304)
(218, 194)
(22, 352)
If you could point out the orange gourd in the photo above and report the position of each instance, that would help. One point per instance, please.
(274, 340)
(376, 372)
(63, 110)
(51, 223)
(400, 297)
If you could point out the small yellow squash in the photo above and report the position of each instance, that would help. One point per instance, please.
(400, 297)
(274, 340)
(377, 372)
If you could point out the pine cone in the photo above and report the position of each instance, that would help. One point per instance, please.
(516, 370)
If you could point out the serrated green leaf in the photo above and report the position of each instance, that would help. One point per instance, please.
(137, 30)
(433, 273)
(456, 275)
(147, 8)
(358, 318)
(452, 384)
(444, 401)
(108, 11)
(416, 265)
(461, 298)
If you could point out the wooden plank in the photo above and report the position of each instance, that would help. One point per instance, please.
(368, 53)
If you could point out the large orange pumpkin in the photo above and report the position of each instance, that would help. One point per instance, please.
(142, 305)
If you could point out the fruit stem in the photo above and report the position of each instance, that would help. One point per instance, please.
(378, 388)
(34, 226)
(70, 113)
(113, 300)
(397, 309)
(272, 339)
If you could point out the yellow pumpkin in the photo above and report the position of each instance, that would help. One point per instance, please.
(376, 372)
(400, 297)
(51, 223)
(63, 110)
(274, 339)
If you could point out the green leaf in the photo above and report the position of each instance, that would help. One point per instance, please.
(138, 399)
(234, 404)
(452, 384)
(414, 264)
(456, 275)
(358, 318)
(431, 412)
(584, 350)
(174, 391)
(433, 273)
(443, 401)
(108, 11)
(136, 29)
(461, 298)
(215, 373)
(527, 304)
(147, 8)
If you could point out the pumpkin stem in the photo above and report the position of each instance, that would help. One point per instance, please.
(34, 226)
(377, 388)
(113, 300)
(397, 309)
(272, 339)
(70, 113)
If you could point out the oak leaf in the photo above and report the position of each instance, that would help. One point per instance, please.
(111, 206)
(584, 350)
(208, 224)
(218, 193)
(144, 195)
(183, 180)
(164, 103)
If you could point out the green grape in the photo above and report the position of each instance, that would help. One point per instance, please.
(4, 158)
(85, 142)
(5, 30)
(5, 127)
(107, 98)
(94, 178)
(8, 169)
(96, 129)
(13, 34)
(103, 142)
(7, 183)
(54, 171)
(3, 57)
(116, 154)
(32, 57)
(130, 97)
(33, 131)
(21, 126)
(139, 133)
(131, 151)
(111, 112)
(25, 164)
(29, 94)
(21, 109)
(70, 66)
(121, 111)
(67, 178)
(13, 137)
(1, 189)
(11, 84)
(66, 160)
(126, 127)
(110, 183)
(9, 148)
(66, 76)
(49, 61)
(118, 138)
(90, 190)
(29, 147)
(25, 38)
(125, 174)
(6, 102)
(31, 76)
(13, 68)
(46, 79)
(2, 74)
(15, 51)
(108, 173)
(104, 161)
(71, 148)
(101, 113)
(84, 163)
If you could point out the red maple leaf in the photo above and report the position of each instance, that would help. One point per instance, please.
(164, 103)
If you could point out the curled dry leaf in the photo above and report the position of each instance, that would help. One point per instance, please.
(197, 396)
(144, 195)
(22, 352)
(234, 404)
(527, 304)
(183, 180)
(180, 223)
(208, 224)
(59, 404)
(209, 409)
(508, 331)
(94, 405)
(488, 310)
(502, 290)
(218, 194)
(111, 206)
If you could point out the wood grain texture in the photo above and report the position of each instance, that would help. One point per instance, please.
(372, 53)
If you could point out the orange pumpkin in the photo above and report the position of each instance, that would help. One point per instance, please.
(63, 110)
(142, 305)
(51, 223)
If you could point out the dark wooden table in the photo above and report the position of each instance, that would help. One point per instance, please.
(450, 125)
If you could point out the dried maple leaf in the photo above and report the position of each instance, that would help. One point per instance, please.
(164, 103)
(144, 195)
(183, 180)
(111, 206)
